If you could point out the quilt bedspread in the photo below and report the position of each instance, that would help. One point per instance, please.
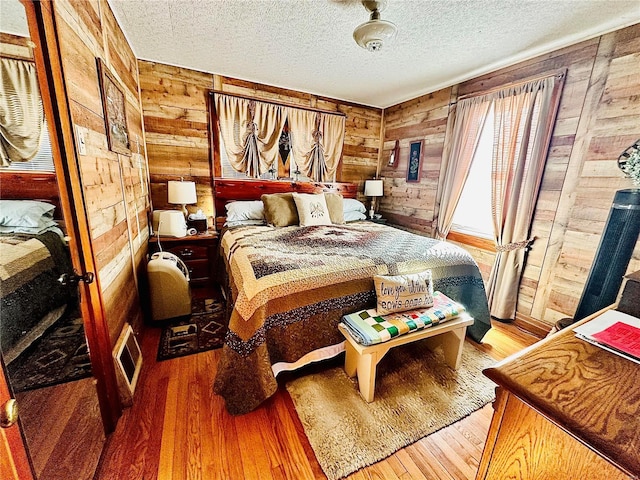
(291, 286)
(29, 288)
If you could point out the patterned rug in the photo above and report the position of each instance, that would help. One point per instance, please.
(59, 356)
(204, 330)
(416, 394)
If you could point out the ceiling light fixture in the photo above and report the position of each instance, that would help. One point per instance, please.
(373, 34)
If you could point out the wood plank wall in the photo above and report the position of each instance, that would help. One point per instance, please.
(115, 186)
(174, 102)
(599, 117)
(14, 46)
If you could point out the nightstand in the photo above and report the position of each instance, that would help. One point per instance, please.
(198, 252)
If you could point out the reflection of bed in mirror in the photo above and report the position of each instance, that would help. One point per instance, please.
(33, 255)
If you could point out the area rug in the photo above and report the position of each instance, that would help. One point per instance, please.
(203, 330)
(416, 394)
(59, 356)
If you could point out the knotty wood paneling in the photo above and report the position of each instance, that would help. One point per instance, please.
(14, 46)
(424, 118)
(176, 120)
(598, 117)
(115, 186)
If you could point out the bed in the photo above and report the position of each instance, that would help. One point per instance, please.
(288, 287)
(33, 255)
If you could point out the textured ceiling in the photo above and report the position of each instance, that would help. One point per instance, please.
(307, 45)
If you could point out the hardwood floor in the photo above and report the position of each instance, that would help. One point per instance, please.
(179, 429)
(63, 429)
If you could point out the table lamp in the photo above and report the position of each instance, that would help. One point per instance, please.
(182, 193)
(373, 188)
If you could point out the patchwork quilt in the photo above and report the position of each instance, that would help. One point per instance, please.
(290, 287)
(29, 288)
(369, 328)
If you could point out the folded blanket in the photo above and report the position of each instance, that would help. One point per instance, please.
(369, 328)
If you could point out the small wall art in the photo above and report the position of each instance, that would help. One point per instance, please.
(114, 105)
(414, 166)
(394, 156)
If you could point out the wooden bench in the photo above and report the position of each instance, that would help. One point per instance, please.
(363, 360)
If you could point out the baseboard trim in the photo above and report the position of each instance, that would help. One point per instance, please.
(531, 325)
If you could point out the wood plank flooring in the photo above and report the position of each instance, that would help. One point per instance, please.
(179, 429)
(63, 429)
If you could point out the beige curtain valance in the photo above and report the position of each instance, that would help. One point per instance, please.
(250, 130)
(21, 112)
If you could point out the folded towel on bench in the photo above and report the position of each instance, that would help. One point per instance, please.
(369, 328)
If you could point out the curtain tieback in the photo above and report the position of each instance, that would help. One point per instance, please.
(515, 245)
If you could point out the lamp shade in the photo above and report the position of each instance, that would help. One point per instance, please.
(373, 188)
(181, 193)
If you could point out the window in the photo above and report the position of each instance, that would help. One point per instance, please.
(43, 161)
(227, 171)
(473, 213)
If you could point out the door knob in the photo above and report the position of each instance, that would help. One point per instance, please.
(74, 278)
(9, 413)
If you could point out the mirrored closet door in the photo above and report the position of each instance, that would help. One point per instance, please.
(42, 336)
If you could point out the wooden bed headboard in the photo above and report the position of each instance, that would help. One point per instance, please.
(226, 190)
(31, 186)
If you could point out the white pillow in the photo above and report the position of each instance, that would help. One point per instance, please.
(312, 209)
(26, 213)
(353, 216)
(245, 210)
(353, 205)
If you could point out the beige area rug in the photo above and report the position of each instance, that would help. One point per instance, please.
(416, 394)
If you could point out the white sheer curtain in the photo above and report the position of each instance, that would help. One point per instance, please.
(21, 112)
(250, 131)
(470, 117)
(316, 142)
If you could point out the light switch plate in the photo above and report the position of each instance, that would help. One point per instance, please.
(81, 139)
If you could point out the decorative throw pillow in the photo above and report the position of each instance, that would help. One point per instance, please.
(334, 204)
(312, 209)
(280, 209)
(398, 293)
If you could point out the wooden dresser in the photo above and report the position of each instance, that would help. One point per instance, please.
(198, 252)
(564, 410)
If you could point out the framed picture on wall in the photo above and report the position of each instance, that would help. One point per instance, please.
(114, 106)
(414, 166)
